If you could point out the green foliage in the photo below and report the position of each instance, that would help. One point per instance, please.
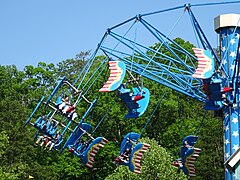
(210, 162)
(176, 116)
(6, 175)
(4, 143)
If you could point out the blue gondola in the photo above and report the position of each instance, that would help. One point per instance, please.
(136, 101)
(84, 149)
(131, 152)
(76, 134)
(188, 155)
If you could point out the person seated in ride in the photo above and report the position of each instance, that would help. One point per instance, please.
(62, 102)
(41, 121)
(79, 147)
(53, 141)
(51, 127)
(124, 157)
(71, 112)
(184, 152)
(44, 139)
(44, 127)
(178, 163)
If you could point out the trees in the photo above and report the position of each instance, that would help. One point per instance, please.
(4, 144)
(19, 93)
(177, 115)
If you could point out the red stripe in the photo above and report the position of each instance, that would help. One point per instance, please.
(113, 68)
(112, 62)
(148, 145)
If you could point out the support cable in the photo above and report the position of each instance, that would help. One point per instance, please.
(159, 102)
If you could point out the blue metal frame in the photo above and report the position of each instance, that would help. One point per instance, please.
(36, 108)
(55, 90)
(170, 71)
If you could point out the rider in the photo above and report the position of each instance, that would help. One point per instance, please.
(53, 140)
(124, 157)
(62, 102)
(70, 111)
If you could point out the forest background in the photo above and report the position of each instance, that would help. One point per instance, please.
(176, 117)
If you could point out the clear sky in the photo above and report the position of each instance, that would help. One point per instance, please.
(55, 30)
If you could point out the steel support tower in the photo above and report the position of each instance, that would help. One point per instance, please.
(228, 28)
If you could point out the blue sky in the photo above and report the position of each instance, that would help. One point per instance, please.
(52, 31)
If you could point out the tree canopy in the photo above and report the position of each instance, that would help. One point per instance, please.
(176, 117)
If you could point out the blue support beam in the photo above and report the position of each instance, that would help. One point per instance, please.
(229, 38)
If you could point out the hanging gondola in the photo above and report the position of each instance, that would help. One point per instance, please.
(131, 152)
(188, 155)
(50, 127)
(136, 99)
(87, 148)
(212, 81)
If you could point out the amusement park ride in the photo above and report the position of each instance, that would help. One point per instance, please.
(200, 74)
